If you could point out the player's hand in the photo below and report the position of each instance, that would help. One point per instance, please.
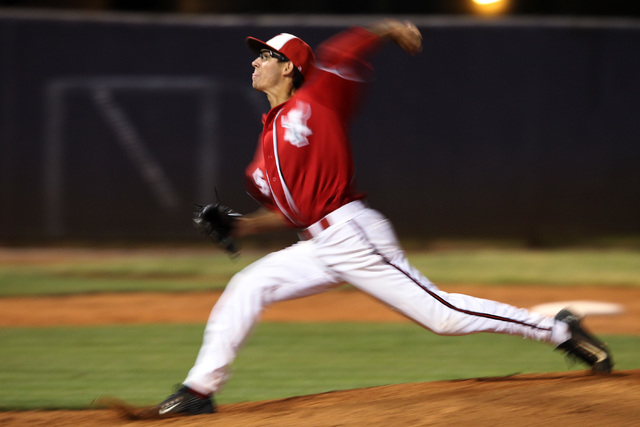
(217, 222)
(404, 34)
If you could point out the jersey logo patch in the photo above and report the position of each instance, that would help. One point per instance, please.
(261, 182)
(295, 126)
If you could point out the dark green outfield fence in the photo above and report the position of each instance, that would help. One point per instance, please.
(112, 127)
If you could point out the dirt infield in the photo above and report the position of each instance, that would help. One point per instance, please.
(567, 399)
(339, 305)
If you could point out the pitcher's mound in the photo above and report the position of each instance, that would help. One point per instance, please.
(576, 398)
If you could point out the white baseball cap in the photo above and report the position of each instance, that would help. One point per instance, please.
(296, 50)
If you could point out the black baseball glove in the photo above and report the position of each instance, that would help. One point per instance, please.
(216, 221)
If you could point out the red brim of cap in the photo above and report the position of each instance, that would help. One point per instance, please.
(257, 45)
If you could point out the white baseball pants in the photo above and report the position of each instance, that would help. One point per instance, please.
(360, 248)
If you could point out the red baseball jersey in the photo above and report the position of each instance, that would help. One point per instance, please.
(303, 165)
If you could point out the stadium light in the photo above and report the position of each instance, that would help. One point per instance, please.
(490, 7)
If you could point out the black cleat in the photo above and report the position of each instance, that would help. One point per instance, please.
(582, 345)
(185, 402)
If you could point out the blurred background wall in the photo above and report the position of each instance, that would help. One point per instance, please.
(116, 117)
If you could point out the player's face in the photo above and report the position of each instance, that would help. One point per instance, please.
(267, 71)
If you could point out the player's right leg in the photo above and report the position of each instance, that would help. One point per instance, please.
(365, 252)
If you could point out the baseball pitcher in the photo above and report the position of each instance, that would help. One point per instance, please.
(303, 176)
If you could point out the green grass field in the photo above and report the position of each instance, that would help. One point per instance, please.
(56, 367)
(162, 271)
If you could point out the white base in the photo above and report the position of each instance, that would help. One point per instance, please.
(580, 308)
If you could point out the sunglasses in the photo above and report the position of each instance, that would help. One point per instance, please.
(266, 54)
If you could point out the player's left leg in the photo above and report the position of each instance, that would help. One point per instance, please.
(287, 274)
(283, 275)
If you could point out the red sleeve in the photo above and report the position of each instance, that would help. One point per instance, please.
(350, 48)
(255, 180)
(343, 70)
